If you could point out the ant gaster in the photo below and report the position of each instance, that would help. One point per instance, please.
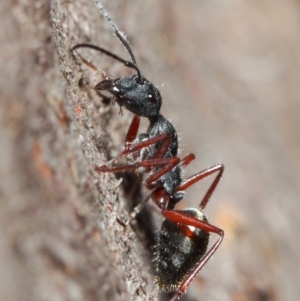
(183, 238)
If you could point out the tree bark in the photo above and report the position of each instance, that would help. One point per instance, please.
(60, 235)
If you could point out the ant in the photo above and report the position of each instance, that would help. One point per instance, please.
(184, 234)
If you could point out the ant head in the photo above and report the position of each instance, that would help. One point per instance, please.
(135, 93)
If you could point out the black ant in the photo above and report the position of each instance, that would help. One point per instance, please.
(184, 235)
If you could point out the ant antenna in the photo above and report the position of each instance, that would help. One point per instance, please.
(121, 37)
(126, 63)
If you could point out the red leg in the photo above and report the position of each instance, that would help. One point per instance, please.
(179, 217)
(160, 152)
(136, 147)
(147, 143)
(130, 136)
(132, 131)
(150, 181)
(132, 148)
(155, 176)
(187, 160)
(147, 164)
(193, 273)
(199, 176)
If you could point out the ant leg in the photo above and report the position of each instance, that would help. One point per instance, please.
(184, 219)
(150, 183)
(130, 136)
(187, 160)
(146, 164)
(199, 176)
(138, 208)
(160, 152)
(132, 148)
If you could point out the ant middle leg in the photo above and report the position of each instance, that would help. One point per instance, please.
(150, 182)
(152, 163)
(166, 163)
(130, 136)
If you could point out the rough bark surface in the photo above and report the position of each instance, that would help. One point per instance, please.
(59, 231)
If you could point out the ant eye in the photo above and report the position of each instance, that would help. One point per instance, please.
(150, 96)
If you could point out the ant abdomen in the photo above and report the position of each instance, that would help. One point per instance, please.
(179, 249)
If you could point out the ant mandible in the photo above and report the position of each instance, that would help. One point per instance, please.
(184, 235)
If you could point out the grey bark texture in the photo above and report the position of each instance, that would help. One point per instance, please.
(59, 231)
(230, 72)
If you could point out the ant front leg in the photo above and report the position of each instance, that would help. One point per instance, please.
(129, 148)
(187, 220)
(130, 136)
